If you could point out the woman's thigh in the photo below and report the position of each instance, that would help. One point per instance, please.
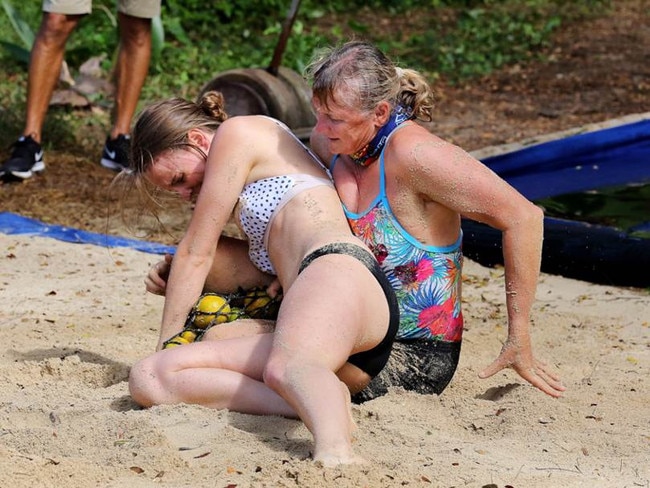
(351, 375)
(334, 308)
(245, 355)
(238, 328)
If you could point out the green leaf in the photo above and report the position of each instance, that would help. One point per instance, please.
(157, 37)
(174, 26)
(21, 27)
(17, 52)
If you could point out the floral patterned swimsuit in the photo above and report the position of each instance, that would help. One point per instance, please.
(426, 279)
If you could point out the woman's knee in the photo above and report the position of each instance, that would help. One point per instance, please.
(279, 373)
(144, 383)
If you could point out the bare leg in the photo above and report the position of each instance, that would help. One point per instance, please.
(131, 70)
(239, 328)
(223, 374)
(320, 325)
(44, 68)
(233, 269)
(354, 379)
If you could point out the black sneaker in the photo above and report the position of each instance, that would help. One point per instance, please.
(115, 155)
(25, 160)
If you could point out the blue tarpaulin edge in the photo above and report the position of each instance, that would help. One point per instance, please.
(17, 224)
(616, 156)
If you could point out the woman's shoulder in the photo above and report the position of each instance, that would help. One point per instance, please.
(410, 139)
(242, 122)
(257, 124)
(248, 129)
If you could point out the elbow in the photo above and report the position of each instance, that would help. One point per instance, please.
(530, 217)
(193, 253)
(526, 220)
(534, 215)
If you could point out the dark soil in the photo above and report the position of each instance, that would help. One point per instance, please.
(596, 70)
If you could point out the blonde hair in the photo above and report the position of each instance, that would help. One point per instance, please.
(358, 75)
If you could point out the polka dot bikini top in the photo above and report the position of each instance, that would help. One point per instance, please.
(260, 201)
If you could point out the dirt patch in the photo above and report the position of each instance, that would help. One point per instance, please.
(597, 70)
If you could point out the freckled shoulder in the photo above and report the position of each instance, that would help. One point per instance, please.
(414, 147)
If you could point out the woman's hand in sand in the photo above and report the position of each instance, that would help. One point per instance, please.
(156, 280)
(520, 358)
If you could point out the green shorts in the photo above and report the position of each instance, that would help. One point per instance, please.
(146, 9)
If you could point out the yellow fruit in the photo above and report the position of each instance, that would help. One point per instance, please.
(211, 308)
(233, 315)
(258, 304)
(189, 335)
(175, 341)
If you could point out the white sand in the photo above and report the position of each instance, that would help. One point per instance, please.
(74, 317)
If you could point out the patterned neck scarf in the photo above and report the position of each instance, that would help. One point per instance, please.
(366, 155)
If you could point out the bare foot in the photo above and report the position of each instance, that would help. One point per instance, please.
(340, 453)
(333, 460)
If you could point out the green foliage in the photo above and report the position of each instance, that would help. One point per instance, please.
(195, 40)
(22, 30)
(199, 42)
(477, 45)
(157, 40)
(460, 39)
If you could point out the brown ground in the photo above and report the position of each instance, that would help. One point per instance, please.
(597, 70)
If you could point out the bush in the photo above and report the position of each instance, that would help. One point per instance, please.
(454, 38)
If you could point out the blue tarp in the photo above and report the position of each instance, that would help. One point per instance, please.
(604, 158)
(16, 224)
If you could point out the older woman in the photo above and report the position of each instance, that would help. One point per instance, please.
(404, 191)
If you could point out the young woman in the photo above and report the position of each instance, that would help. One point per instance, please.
(338, 315)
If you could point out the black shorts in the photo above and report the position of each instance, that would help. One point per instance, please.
(423, 366)
(373, 360)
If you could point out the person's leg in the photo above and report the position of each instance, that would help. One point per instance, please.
(44, 68)
(223, 374)
(355, 379)
(334, 308)
(239, 328)
(131, 70)
(58, 21)
(231, 271)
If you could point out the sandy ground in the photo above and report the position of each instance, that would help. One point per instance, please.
(74, 317)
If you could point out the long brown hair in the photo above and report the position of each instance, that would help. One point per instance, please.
(165, 125)
(161, 126)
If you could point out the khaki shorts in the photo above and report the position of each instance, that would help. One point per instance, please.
(145, 9)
